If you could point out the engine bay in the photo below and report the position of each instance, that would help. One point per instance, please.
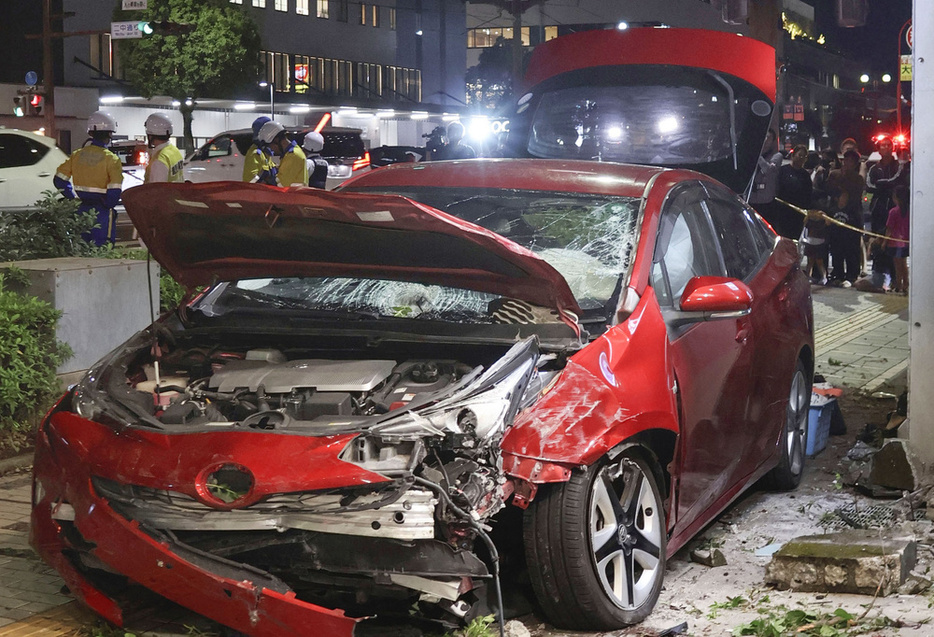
(262, 389)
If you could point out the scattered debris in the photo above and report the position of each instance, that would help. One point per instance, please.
(769, 550)
(708, 557)
(914, 584)
(515, 628)
(896, 466)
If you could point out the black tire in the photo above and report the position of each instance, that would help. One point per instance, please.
(787, 474)
(595, 545)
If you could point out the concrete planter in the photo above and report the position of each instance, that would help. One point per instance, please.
(103, 302)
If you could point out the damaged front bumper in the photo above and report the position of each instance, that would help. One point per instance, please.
(242, 598)
(90, 528)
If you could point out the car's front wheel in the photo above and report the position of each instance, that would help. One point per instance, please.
(787, 474)
(595, 545)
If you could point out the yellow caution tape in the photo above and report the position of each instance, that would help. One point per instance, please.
(823, 215)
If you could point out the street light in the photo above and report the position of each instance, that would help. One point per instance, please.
(864, 78)
(886, 78)
(272, 99)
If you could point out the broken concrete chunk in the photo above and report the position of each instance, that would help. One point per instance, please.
(712, 557)
(515, 628)
(896, 466)
(915, 584)
(846, 562)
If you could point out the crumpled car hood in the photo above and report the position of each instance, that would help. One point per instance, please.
(221, 231)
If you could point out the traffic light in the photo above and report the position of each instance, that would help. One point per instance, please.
(164, 27)
(35, 104)
(18, 106)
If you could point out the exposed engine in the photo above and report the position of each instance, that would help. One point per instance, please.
(261, 389)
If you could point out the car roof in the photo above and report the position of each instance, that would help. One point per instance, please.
(606, 178)
(31, 135)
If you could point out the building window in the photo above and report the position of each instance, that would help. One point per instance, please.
(278, 72)
(551, 33)
(484, 38)
(301, 7)
(282, 5)
(322, 10)
(392, 18)
(343, 10)
(236, 1)
(101, 55)
(375, 15)
(363, 14)
(259, 4)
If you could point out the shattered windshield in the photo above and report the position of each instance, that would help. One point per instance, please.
(360, 299)
(589, 239)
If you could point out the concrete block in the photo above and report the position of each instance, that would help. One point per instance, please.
(896, 466)
(103, 302)
(846, 562)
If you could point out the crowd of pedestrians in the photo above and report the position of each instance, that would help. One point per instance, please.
(839, 240)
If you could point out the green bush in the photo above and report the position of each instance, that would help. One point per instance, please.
(29, 355)
(51, 229)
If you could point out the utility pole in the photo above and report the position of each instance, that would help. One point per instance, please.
(48, 80)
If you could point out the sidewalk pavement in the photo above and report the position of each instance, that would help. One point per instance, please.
(861, 341)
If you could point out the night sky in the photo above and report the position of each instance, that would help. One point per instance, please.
(876, 44)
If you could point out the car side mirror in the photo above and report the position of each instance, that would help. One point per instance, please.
(716, 294)
(708, 298)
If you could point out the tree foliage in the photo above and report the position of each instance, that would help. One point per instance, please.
(490, 82)
(217, 56)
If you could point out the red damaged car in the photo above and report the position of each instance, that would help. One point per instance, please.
(396, 402)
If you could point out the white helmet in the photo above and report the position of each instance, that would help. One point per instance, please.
(158, 125)
(313, 142)
(269, 131)
(101, 121)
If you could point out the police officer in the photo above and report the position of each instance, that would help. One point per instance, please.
(292, 168)
(317, 165)
(165, 160)
(258, 166)
(95, 175)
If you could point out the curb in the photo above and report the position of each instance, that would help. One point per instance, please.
(16, 462)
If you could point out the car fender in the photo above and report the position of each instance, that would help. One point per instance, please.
(619, 386)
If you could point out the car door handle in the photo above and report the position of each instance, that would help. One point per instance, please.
(45, 174)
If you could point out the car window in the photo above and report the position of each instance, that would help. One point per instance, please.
(218, 147)
(763, 235)
(733, 225)
(16, 150)
(243, 142)
(684, 248)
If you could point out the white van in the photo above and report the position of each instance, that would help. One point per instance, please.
(221, 158)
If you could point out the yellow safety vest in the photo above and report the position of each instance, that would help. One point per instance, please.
(255, 163)
(169, 155)
(92, 171)
(293, 171)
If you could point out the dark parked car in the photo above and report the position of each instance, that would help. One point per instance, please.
(382, 394)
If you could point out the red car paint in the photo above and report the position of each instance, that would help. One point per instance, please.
(746, 58)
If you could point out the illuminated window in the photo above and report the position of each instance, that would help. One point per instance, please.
(282, 5)
(260, 4)
(375, 15)
(551, 33)
(363, 14)
(322, 11)
(343, 10)
(301, 7)
(236, 1)
(392, 18)
(484, 38)
(277, 70)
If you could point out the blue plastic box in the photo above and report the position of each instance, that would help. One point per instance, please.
(819, 427)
